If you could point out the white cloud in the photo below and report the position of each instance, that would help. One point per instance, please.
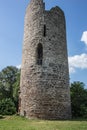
(77, 61)
(71, 69)
(18, 66)
(84, 37)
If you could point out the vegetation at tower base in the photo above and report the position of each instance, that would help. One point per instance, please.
(8, 103)
(9, 86)
(7, 107)
(78, 99)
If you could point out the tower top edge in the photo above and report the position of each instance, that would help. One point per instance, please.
(42, 4)
(56, 9)
(36, 3)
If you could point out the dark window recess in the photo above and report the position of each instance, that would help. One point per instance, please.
(19, 105)
(39, 54)
(25, 113)
(44, 31)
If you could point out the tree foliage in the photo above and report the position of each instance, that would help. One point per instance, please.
(9, 84)
(78, 99)
(7, 107)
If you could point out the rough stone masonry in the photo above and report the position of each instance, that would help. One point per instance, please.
(44, 87)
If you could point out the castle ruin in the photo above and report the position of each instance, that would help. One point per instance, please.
(44, 87)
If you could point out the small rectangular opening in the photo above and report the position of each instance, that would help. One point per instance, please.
(39, 54)
(44, 31)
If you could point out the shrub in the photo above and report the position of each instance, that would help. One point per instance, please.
(7, 107)
(78, 99)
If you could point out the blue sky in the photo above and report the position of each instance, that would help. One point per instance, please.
(12, 14)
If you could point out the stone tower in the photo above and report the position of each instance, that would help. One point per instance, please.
(44, 88)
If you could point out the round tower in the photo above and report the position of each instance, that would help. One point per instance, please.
(44, 87)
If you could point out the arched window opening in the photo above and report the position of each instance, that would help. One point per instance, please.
(44, 31)
(39, 54)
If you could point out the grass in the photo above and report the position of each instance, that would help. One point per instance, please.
(20, 123)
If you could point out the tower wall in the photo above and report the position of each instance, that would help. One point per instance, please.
(44, 89)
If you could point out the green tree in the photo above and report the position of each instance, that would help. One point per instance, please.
(16, 90)
(78, 99)
(7, 107)
(9, 83)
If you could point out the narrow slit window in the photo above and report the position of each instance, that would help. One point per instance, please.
(44, 30)
(39, 54)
